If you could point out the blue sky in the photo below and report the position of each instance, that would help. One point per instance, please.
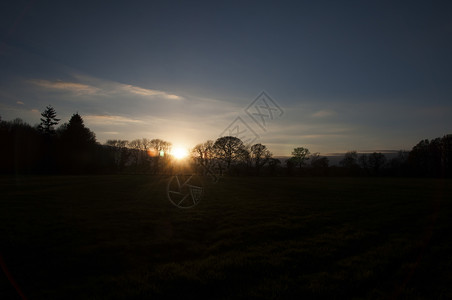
(347, 75)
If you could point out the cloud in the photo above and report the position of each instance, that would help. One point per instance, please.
(74, 87)
(113, 88)
(323, 113)
(147, 92)
(86, 85)
(109, 120)
(20, 103)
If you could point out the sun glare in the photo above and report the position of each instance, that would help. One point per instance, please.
(179, 152)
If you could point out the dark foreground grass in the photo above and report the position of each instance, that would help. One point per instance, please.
(98, 237)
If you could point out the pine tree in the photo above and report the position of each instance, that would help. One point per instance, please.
(76, 135)
(48, 121)
(77, 146)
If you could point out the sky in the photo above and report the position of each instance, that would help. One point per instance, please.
(330, 76)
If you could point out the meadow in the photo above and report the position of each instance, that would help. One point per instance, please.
(118, 237)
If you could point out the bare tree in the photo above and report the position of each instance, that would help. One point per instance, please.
(136, 147)
(350, 160)
(376, 162)
(363, 162)
(140, 151)
(319, 162)
(121, 153)
(273, 164)
(299, 156)
(204, 154)
(161, 146)
(162, 149)
(260, 155)
(229, 149)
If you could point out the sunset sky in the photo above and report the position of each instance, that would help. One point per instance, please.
(339, 75)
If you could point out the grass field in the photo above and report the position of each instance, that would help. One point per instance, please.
(97, 237)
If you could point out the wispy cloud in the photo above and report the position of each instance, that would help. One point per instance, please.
(147, 92)
(74, 87)
(116, 88)
(19, 102)
(86, 85)
(323, 113)
(109, 120)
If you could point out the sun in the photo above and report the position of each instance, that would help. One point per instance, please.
(179, 152)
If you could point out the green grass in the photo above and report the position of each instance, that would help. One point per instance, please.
(97, 237)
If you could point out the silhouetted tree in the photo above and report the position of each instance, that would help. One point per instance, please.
(48, 121)
(363, 161)
(290, 166)
(299, 156)
(21, 148)
(446, 155)
(398, 165)
(243, 164)
(120, 151)
(136, 147)
(229, 149)
(319, 164)
(273, 164)
(350, 163)
(162, 149)
(376, 162)
(77, 146)
(161, 146)
(259, 155)
(46, 128)
(77, 133)
(350, 160)
(204, 156)
(431, 158)
(140, 152)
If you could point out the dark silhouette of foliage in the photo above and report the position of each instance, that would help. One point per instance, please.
(290, 167)
(273, 165)
(48, 121)
(76, 132)
(432, 158)
(376, 162)
(72, 148)
(260, 155)
(77, 145)
(21, 148)
(162, 147)
(120, 152)
(446, 155)
(299, 156)
(398, 166)
(160, 159)
(204, 154)
(350, 160)
(350, 163)
(230, 150)
(372, 164)
(139, 152)
(319, 165)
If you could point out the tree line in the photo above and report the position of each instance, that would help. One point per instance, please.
(72, 149)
